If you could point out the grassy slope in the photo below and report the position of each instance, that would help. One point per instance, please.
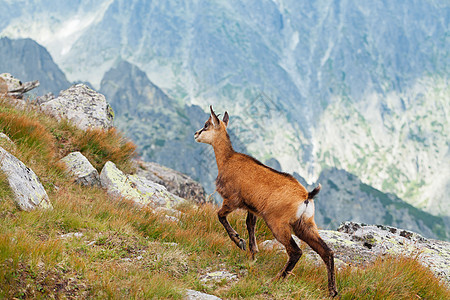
(128, 253)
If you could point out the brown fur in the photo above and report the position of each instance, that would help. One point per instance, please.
(245, 183)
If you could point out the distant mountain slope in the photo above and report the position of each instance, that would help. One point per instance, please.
(379, 69)
(27, 60)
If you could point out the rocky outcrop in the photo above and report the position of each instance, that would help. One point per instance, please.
(175, 182)
(83, 106)
(80, 167)
(358, 244)
(14, 87)
(138, 189)
(28, 190)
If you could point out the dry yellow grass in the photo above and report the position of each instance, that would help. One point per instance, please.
(126, 252)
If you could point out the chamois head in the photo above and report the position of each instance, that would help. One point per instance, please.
(213, 129)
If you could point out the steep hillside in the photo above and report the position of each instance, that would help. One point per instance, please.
(95, 245)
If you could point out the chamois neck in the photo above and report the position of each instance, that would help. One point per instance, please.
(223, 151)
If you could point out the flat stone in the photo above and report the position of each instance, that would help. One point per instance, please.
(218, 276)
(195, 295)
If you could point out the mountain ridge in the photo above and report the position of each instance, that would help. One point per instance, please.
(325, 66)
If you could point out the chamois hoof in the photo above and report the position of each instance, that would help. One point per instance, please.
(242, 244)
(334, 294)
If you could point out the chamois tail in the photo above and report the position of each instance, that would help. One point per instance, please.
(314, 192)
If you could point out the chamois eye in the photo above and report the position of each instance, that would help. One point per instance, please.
(206, 125)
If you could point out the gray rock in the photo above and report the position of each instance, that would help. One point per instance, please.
(195, 295)
(45, 98)
(80, 167)
(175, 182)
(28, 190)
(358, 244)
(83, 106)
(71, 235)
(14, 87)
(140, 190)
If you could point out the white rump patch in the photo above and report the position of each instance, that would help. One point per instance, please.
(305, 210)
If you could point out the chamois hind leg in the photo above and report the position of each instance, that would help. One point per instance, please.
(283, 234)
(251, 223)
(234, 236)
(308, 232)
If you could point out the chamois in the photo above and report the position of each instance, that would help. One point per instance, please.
(278, 198)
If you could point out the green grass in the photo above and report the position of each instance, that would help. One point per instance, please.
(126, 252)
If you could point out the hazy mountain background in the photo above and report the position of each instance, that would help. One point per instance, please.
(30, 61)
(310, 87)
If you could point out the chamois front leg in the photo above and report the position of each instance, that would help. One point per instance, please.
(234, 236)
(251, 223)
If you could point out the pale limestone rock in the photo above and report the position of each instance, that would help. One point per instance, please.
(195, 295)
(80, 167)
(28, 190)
(140, 190)
(83, 106)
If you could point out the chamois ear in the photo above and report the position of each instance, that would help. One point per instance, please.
(226, 118)
(214, 118)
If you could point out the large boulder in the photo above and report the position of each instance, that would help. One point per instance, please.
(175, 182)
(81, 169)
(83, 106)
(358, 244)
(139, 189)
(28, 190)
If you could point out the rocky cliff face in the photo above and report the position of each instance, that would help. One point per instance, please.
(28, 60)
